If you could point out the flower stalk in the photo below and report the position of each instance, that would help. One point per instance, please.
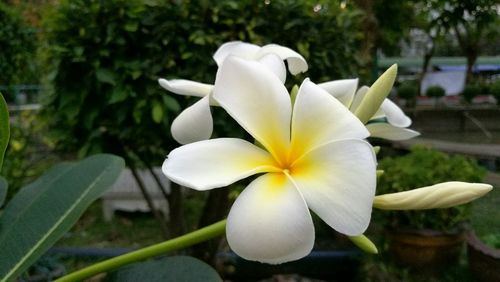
(181, 242)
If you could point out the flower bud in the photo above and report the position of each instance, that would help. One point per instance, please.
(442, 195)
(362, 242)
(376, 94)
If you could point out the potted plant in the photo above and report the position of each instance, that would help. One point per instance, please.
(470, 92)
(427, 239)
(408, 91)
(483, 243)
(484, 256)
(435, 92)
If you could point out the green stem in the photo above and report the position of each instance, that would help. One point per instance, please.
(181, 242)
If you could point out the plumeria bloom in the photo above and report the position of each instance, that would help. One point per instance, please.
(195, 122)
(311, 156)
(389, 122)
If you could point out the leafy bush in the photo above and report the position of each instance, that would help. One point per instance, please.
(407, 90)
(104, 59)
(495, 90)
(435, 91)
(424, 167)
(29, 154)
(17, 45)
(492, 240)
(470, 91)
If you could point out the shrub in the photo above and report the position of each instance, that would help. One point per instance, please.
(495, 90)
(424, 167)
(17, 45)
(104, 59)
(492, 240)
(470, 91)
(407, 90)
(435, 91)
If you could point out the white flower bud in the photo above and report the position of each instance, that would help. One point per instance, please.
(442, 195)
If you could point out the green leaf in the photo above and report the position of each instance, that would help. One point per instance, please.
(46, 209)
(178, 268)
(4, 128)
(131, 26)
(171, 103)
(3, 190)
(157, 112)
(118, 94)
(105, 76)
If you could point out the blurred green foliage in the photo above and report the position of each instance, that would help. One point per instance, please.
(29, 153)
(492, 240)
(495, 90)
(470, 91)
(408, 90)
(17, 45)
(103, 60)
(395, 19)
(435, 91)
(423, 167)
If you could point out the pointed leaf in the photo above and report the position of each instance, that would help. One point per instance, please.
(105, 76)
(179, 268)
(3, 190)
(157, 112)
(4, 128)
(46, 209)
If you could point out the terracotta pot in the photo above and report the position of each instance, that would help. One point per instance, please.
(484, 261)
(426, 250)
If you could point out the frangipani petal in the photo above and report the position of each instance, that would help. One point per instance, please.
(274, 64)
(394, 114)
(215, 163)
(186, 87)
(235, 48)
(319, 118)
(270, 222)
(442, 195)
(389, 132)
(296, 63)
(343, 89)
(338, 182)
(194, 123)
(257, 100)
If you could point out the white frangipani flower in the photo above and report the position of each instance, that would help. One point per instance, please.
(195, 122)
(312, 157)
(389, 122)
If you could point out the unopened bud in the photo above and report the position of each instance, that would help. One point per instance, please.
(442, 195)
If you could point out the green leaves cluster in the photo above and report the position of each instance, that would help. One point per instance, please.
(470, 92)
(17, 43)
(4, 128)
(423, 167)
(435, 91)
(105, 58)
(495, 90)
